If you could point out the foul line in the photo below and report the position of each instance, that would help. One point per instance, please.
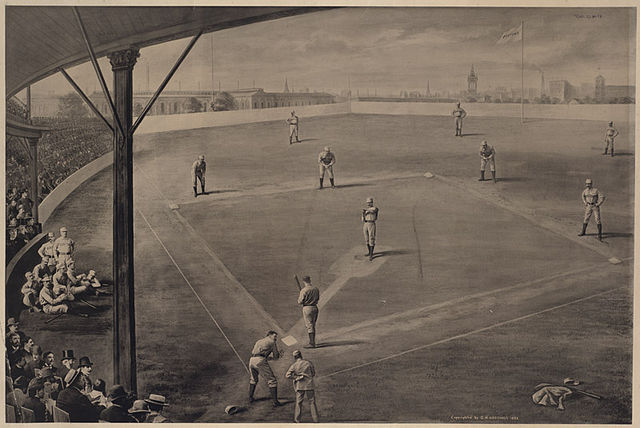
(194, 292)
(459, 336)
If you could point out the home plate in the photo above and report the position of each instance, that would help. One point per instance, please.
(289, 340)
(428, 175)
(615, 261)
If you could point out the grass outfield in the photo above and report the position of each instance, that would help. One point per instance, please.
(486, 280)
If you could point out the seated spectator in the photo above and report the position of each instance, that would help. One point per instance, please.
(52, 304)
(22, 215)
(117, 412)
(27, 345)
(30, 293)
(35, 400)
(86, 367)
(12, 326)
(14, 345)
(36, 362)
(17, 361)
(140, 410)
(31, 229)
(49, 360)
(26, 203)
(20, 389)
(72, 401)
(156, 404)
(46, 249)
(97, 394)
(12, 209)
(68, 360)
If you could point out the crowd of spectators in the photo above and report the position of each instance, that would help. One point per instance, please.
(20, 226)
(70, 145)
(35, 382)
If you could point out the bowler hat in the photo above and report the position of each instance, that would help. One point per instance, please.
(139, 406)
(116, 391)
(46, 372)
(85, 362)
(67, 355)
(12, 321)
(157, 399)
(71, 377)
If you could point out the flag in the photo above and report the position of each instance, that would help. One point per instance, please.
(511, 35)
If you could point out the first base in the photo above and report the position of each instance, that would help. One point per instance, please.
(615, 261)
(428, 175)
(289, 340)
(174, 206)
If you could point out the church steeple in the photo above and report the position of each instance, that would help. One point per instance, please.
(472, 81)
(286, 85)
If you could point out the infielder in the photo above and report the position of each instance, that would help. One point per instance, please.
(487, 156)
(369, 218)
(592, 199)
(326, 159)
(259, 363)
(198, 170)
(308, 298)
(293, 127)
(609, 136)
(459, 114)
(302, 373)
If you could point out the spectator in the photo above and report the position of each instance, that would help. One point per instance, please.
(26, 203)
(140, 410)
(49, 360)
(20, 389)
(156, 403)
(117, 412)
(27, 345)
(13, 325)
(68, 360)
(35, 400)
(86, 367)
(14, 344)
(97, 394)
(36, 362)
(72, 401)
(18, 360)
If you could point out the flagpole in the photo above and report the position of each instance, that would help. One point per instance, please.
(522, 62)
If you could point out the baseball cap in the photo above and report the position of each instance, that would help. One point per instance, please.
(588, 181)
(369, 199)
(306, 278)
(297, 353)
(201, 157)
(484, 142)
(63, 229)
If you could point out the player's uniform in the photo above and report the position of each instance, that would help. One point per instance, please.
(258, 363)
(369, 218)
(459, 114)
(325, 164)
(592, 199)
(198, 170)
(308, 298)
(293, 128)
(487, 157)
(610, 134)
(64, 248)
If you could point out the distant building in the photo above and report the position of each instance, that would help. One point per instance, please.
(472, 82)
(45, 105)
(620, 91)
(561, 89)
(179, 102)
(601, 90)
(586, 90)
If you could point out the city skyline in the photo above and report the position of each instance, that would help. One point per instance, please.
(392, 49)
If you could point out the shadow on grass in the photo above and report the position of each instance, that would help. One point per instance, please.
(392, 253)
(345, 186)
(472, 135)
(307, 139)
(616, 235)
(512, 179)
(623, 154)
(338, 343)
(214, 192)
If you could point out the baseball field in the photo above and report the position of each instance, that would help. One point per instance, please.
(478, 291)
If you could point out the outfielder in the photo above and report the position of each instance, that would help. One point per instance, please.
(592, 199)
(487, 156)
(326, 159)
(609, 136)
(459, 114)
(198, 170)
(369, 218)
(259, 363)
(293, 127)
(308, 298)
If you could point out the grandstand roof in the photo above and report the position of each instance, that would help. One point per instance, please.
(42, 39)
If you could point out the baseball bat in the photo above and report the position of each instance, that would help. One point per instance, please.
(297, 282)
(87, 303)
(54, 318)
(588, 394)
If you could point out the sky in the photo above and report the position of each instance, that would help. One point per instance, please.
(385, 50)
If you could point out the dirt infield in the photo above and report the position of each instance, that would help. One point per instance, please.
(478, 292)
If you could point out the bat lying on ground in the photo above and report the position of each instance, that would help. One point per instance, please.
(298, 282)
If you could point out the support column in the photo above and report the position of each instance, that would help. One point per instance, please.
(124, 332)
(33, 149)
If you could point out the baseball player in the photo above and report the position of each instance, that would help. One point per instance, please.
(293, 127)
(259, 363)
(609, 136)
(308, 298)
(302, 372)
(369, 218)
(487, 156)
(326, 159)
(46, 250)
(198, 169)
(592, 199)
(63, 247)
(459, 114)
